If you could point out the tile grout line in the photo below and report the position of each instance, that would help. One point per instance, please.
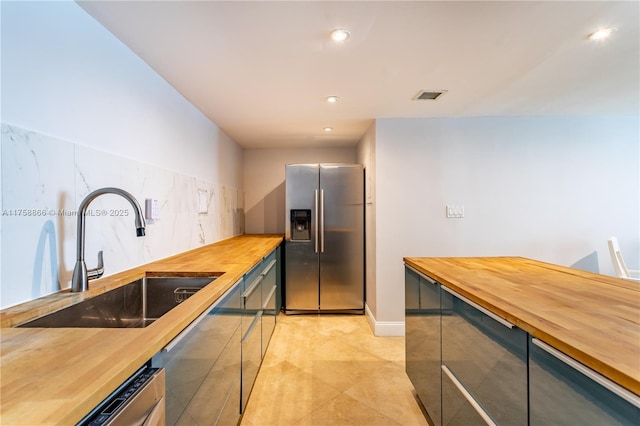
(346, 332)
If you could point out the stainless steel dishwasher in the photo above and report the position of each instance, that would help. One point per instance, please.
(138, 401)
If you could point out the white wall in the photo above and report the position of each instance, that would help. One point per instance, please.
(65, 75)
(264, 182)
(81, 111)
(548, 188)
(367, 157)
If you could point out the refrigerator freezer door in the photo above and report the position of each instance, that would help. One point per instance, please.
(301, 290)
(341, 237)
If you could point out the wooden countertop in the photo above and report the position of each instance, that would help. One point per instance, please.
(58, 375)
(593, 318)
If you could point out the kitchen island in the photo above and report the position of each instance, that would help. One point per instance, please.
(58, 375)
(499, 314)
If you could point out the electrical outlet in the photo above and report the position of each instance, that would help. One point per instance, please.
(455, 211)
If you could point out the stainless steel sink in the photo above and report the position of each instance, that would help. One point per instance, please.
(134, 305)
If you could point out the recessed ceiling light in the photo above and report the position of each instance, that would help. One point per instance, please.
(328, 129)
(332, 99)
(340, 34)
(602, 33)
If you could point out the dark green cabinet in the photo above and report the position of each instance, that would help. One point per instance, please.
(563, 391)
(459, 406)
(484, 358)
(211, 366)
(422, 339)
(468, 366)
(259, 302)
(202, 366)
(269, 302)
(251, 330)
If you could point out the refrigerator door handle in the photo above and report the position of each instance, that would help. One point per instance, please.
(322, 221)
(315, 250)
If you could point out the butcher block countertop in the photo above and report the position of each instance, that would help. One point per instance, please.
(58, 375)
(593, 318)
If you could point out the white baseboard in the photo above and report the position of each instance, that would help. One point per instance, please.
(384, 328)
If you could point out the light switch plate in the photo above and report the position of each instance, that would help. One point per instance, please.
(455, 211)
(151, 209)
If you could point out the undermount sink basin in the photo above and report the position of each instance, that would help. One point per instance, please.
(133, 305)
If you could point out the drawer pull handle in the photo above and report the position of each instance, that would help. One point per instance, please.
(423, 276)
(480, 308)
(255, 321)
(485, 416)
(251, 289)
(596, 377)
(268, 268)
(269, 297)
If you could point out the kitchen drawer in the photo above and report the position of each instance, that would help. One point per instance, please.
(269, 296)
(488, 356)
(253, 274)
(230, 414)
(422, 339)
(411, 290)
(252, 292)
(278, 252)
(269, 279)
(268, 317)
(459, 407)
(564, 392)
(251, 355)
(193, 361)
(219, 393)
(271, 257)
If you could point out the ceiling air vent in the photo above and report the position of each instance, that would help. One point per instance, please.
(429, 95)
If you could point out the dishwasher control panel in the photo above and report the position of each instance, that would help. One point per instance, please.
(129, 399)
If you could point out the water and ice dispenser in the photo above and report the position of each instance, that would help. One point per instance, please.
(300, 225)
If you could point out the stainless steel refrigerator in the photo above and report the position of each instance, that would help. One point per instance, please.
(324, 238)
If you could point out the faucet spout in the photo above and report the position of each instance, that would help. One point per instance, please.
(81, 276)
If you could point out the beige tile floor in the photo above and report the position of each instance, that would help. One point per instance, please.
(331, 370)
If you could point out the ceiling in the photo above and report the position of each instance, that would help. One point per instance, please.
(262, 70)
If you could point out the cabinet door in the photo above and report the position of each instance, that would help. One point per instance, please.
(251, 356)
(564, 392)
(460, 407)
(227, 371)
(269, 288)
(488, 357)
(422, 339)
(218, 398)
(252, 292)
(251, 330)
(411, 290)
(279, 280)
(196, 384)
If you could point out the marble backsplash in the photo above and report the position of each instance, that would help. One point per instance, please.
(44, 179)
